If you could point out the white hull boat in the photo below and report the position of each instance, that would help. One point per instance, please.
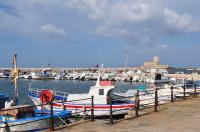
(101, 93)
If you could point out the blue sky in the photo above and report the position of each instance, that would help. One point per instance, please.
(82, 33)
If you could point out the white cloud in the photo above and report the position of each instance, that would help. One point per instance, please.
(51, 29)
(141, 21)
(183, 22)
(96, 9)
(138, 20)
(107, 31)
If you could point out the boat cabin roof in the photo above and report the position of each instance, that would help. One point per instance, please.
(105, 83)
(17, 110)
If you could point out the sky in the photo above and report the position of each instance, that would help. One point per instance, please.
(83, 33)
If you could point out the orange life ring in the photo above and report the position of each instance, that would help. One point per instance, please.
(46, 96)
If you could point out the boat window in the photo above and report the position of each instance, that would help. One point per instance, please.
(158, 77)
(101, 91)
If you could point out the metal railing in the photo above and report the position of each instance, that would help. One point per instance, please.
(155, 99)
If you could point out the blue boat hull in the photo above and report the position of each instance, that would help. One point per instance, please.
(37, 123)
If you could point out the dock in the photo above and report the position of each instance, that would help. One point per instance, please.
(181, 116)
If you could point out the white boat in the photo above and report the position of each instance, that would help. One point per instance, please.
(128, 94)
(178, 88)
(59, 77)
(39, 76)
(147, 95)
(101, 92)
(27, 76)
(157, 76)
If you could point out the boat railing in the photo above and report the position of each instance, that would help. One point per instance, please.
(35, 91)
(61, 94)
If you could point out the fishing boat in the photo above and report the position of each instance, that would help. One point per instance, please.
(15, 117)
(101, 92)
(24, 118)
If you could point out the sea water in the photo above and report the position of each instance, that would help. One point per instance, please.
(69, 86)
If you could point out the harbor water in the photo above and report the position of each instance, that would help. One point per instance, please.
(69, 86)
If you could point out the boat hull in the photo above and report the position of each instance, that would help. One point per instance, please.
(31, 124)
(41, 77)
(82, 109)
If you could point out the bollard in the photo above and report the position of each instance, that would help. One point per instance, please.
(137, 103)
(138, 100)
(111, 112)
(172, 94)
(195, 89)
(52, 118)
(156, 100)
(92, 108)
(184, 91)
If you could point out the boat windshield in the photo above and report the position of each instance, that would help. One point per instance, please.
(116, 99)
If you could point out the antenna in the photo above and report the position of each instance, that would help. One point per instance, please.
(77, 61)
(126, 60)
(49, 64)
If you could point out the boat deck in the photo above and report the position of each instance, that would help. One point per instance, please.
(179, 116)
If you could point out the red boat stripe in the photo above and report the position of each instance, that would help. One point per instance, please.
(97, 107)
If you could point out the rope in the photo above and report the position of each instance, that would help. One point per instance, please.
(61, 119)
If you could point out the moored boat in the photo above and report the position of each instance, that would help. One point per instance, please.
(25, 118)
(27, 76)
(15, 117)
(40, 76)
(101, 93)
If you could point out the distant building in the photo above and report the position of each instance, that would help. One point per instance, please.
(155, 63)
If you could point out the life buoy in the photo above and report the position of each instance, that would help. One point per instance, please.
(46, 96)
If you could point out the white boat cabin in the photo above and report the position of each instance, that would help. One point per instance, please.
(101, 93)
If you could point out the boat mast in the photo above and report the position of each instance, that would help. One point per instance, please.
(98, 79)
(126, 60)
(15, 75)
